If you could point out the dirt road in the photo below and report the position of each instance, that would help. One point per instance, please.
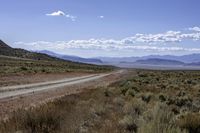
(15, 97)
(12, 91)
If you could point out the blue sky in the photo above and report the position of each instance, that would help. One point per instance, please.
(91, 28)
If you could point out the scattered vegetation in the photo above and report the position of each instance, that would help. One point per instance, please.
(143, 102)
(12, 66)
(14, 61)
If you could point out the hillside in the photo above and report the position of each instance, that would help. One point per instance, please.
(21, 53)
(20, 61)
(3, 45)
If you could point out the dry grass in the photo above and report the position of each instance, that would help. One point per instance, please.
(17, 67)
(142, 102)
(190, 121)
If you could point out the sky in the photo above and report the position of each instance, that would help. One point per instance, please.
(93, 28)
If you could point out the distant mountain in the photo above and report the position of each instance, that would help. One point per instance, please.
(156, 61)
(21, 53)
(184, 58)
(194, 64)
(118, 59)
(72, 58)
(191, 58)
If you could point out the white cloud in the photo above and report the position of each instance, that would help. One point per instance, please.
(97, 45)
(73, 18)
(147, 42)
(101, 17)
(193, 36)
(167, 37)
(170, 36)
(61, 13)
(57, 13)
(195, 29)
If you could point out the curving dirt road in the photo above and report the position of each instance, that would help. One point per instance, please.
(13, 91)
(16, 97)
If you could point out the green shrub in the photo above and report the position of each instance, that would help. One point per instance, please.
(24, 68)
(183, 101)
(123, 90)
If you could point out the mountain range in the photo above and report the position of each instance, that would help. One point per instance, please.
(190, 58)
(151, 60)
(72, 58)
(156, 61)
(185, 61)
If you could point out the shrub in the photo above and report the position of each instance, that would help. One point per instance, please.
(189, 121)
(40, 120)
(135, 107)
(162, 97)
(107, 93)
(131, 93)
(181, 93)
(24, 68)
(147, 97)
(170, 101)
(128, 122)
(123, 90)
(119, 101)
(159, 120)
(98, 109)
(183, 101)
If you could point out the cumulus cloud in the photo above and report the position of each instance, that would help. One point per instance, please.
(102, 45)
(195, 29)
(167, 37)
(148, 42)
(61, 13)
(170, 36)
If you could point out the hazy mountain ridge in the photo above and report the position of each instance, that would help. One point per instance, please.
(191, 61)
(190, 58)
(156, 61)
(72, 58)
